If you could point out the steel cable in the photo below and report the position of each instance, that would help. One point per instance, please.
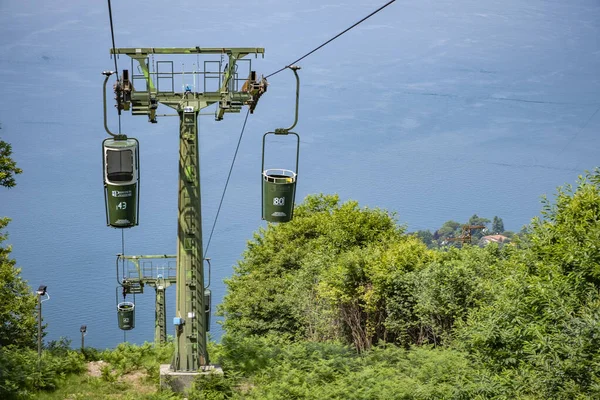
(112, 34)
(333, 38)
(227, 182)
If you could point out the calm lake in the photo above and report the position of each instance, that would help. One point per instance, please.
(435, 111)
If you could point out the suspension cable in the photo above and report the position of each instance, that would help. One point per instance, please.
(227, 182)
(579, 131)
(112, 34)
(123, 247)
(332, 39)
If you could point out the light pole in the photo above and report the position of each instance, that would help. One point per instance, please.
(83, 331)
(41, 292)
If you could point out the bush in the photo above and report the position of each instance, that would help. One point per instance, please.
(540, 330)
(213, 386)
(127, 357)
(274, 288)
(310, 370)
(22, 373)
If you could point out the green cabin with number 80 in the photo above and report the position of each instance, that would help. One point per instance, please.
(121, 181)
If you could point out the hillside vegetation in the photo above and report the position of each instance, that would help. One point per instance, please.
(343, 303)
(525, 316)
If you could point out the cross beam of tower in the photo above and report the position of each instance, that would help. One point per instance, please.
(141, 93)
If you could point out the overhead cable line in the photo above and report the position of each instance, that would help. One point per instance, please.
(332, 39)
(227, 182)
(112, 34)
(579, 131)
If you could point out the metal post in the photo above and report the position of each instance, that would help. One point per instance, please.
(83, 331)
(190, 340)
(40, 292)
(39, 296)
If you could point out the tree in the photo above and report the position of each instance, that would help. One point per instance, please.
(449, 229)
(569, 232)
(426, 236)
(477, 220)
(540, 327)
(477, 234)
(310, 277)
(17, 303)
(8, 167)
(364, 284)
(18, 324)
(497, 225)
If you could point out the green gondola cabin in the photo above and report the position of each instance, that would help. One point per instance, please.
(279, 186)
(121, 181)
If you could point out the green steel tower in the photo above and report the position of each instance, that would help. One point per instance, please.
(142, 94)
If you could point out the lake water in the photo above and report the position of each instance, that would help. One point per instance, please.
(434, 110)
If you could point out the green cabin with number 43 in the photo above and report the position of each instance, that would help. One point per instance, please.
(121, 181)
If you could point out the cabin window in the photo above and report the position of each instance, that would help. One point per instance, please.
(119, 165)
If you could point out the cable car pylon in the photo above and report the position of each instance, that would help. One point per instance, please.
(142, 95)
(278, 193)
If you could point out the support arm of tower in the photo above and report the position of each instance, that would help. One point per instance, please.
(144, 51)
(145, 102)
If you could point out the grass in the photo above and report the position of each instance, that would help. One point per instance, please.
(83, 387)
(126, 372)
(109, 385)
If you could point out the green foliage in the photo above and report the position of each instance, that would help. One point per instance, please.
(60, 347)
(213, 386)
(569, 233)
(311, 370)
(8, 167)
(539, 330)
(22, 374)
(341, 304)
(91, 354)
(442, 293)
(526, 315)
(497, 226)
(476, 220)
(426, 237)
(449, 229)
(542, 328)
(126, 357)
(361, 285)
(18, 325)
(17, 303)
(275, 287)
(107, 374)
(122, 377)
(338, 272)
(249, 354)
(454, 230)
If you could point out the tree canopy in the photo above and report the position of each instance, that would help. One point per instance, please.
(526, 314)
(8, 167)
(17, 303)
(497, 225)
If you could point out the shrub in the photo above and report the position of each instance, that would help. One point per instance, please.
(22, 373)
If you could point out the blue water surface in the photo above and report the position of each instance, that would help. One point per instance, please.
(435, 110)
